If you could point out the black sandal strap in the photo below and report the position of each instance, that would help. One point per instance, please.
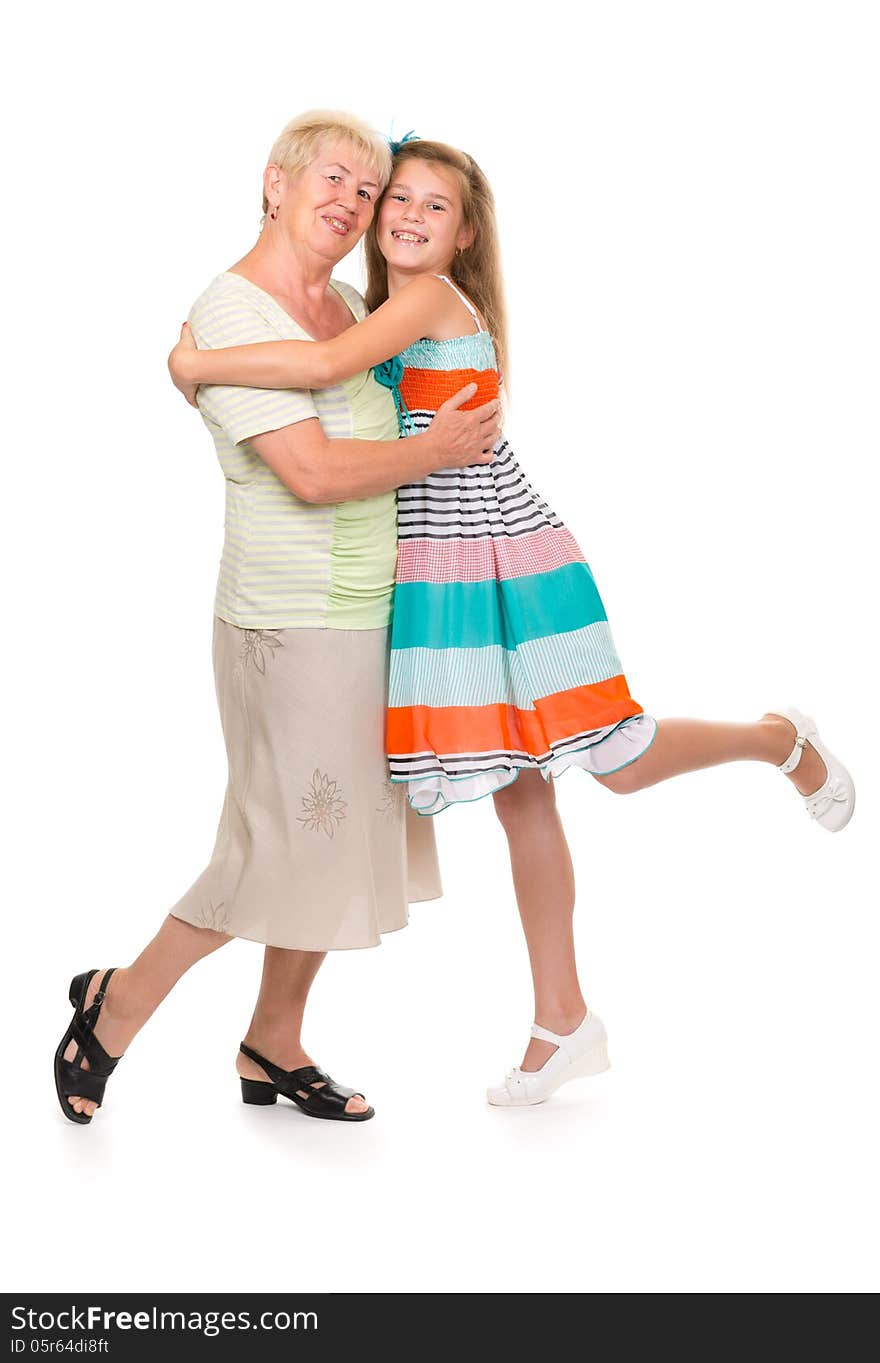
(277, 1075)
(82, 1031)
(89, 1046)
(102, 987)
(308, 1075)
(295, 1083)
(331, 1097)
(84, 1083)
(90, 1014)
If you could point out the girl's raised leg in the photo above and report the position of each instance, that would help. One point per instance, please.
(691, 744)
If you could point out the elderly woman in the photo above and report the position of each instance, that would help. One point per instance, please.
(316, 850)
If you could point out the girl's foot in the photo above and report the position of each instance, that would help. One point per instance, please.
(573, 1055)
(827, 789)
(287, 1057)
(538, 1052)
(114, 1028)
(810, 773)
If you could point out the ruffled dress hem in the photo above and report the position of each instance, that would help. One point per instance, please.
(618, 746)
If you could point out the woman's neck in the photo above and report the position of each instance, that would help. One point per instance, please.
(291, 270)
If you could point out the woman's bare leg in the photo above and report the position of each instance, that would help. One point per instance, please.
(691, 744)
(276, 1025)
(543, 880)
(135, 992)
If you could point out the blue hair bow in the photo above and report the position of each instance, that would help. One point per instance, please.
(411, 136)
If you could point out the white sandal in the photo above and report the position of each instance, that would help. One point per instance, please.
(583, 1052)
(833, 803)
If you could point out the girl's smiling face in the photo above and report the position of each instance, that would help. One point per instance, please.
(421, 221)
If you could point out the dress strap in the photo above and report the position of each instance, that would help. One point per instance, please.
(470, 307)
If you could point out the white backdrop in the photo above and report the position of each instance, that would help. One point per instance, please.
(689, 214)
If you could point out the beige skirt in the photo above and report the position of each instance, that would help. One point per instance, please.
(316, 849)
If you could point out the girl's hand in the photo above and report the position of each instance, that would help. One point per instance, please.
(178, 365)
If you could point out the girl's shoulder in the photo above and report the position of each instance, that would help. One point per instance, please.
(447, 313)
(428, 302)
(475, 317)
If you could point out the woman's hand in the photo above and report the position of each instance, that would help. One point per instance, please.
(458, 438)
(178, 365)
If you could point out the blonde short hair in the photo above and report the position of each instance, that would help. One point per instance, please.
(301, 140)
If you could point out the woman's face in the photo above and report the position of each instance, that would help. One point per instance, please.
(329, 205)
(421, 221)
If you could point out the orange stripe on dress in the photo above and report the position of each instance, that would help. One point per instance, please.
(450, 729)
(427, 389)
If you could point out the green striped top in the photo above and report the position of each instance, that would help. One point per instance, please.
(288, 563)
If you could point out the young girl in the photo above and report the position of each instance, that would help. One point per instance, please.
(503, 668)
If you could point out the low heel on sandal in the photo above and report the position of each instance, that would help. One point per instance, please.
(579, 1055)
(70, 1077)
(78, 986)
(327, 1102)
(256, 1092)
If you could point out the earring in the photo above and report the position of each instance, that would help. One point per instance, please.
(274, 214)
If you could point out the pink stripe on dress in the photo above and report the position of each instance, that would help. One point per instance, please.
(427, 560)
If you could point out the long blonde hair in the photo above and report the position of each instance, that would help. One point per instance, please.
(477, 268)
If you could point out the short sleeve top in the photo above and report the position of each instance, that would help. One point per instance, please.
(288, 563)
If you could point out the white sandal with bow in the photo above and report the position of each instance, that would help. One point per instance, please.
(583, 1052)
(833, 803)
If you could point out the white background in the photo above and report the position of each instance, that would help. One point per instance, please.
(688, 205)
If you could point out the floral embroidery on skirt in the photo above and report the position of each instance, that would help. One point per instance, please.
(324, 806)
(392, 799)
(253, 643)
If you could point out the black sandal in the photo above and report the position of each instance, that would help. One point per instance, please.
(327, 1102)
(70, 1077)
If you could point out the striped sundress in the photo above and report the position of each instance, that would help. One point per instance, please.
(501, 654)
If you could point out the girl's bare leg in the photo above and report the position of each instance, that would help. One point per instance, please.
(277, 1021)
(135, 992)
(690, 744)
(543, 879)
(541, 864)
